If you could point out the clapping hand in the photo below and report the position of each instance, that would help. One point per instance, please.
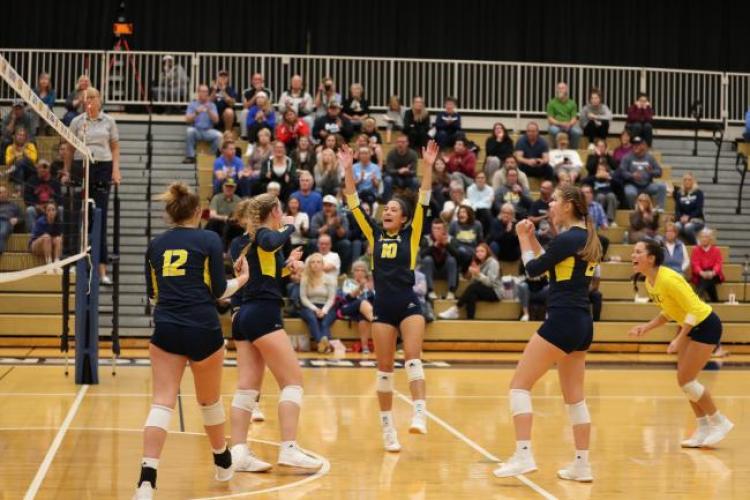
(430, 152)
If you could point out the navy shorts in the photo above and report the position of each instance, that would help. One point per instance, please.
(568, 329)
(195, 343)
(707, 331)
(393, 309)
(256, 319)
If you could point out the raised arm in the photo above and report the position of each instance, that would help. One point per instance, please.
(429, 154)
(346, 160)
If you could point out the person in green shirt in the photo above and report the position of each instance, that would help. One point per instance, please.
(562, 115)
(221, 213)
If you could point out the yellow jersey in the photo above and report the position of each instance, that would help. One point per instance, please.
(677, 300)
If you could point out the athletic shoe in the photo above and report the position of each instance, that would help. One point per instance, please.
(450, 313)
(576, 471)
(390, 440)
(418, 424)
(450, 296)
(365, 350)
(516, 465)
(144, 491)
(257, 415)
(244, 460)
(525, 317)
(432, 295)
(323, 345)
(698, 437)
(717, 432)
(106, 281)
(293, 456)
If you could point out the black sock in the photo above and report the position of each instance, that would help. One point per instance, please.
(223, 459)
(148, 474)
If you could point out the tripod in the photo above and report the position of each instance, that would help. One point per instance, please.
(121, 45)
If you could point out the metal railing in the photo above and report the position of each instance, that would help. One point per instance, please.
(483, 87)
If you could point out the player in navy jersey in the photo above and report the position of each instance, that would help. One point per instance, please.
(395, 247)
(185, 276)
(566, 334)
(259, 336)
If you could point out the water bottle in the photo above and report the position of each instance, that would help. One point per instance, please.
(625, 236)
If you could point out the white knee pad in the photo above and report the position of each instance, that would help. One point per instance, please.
(414, 370)
(213, 414)
(245, 399)
(291, 394)
(385, 382)
(579, 413)
(520, 402)
(694, 390)
(159, 416)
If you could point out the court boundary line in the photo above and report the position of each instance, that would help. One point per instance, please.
(477, 447)
(41, 473)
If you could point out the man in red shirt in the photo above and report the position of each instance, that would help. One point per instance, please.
(462, 163)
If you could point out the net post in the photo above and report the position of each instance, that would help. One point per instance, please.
(115, 258)
(87, 310)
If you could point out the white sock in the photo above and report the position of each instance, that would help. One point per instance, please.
(386, 419)
(582, 456)
(716, 418)
(703, 421)
(150, 462)
(287, 444)
(420, 406)
(220, 450)
(239, 446)
(523, 447)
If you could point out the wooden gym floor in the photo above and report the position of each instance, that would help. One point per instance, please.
(62, 441)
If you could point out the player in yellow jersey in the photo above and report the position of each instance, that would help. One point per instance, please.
(700, 332)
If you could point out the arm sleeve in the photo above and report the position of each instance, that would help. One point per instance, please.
(303, 295)
(491, 276)
(216, 265)
(559, 249)
(150, 275)
(416, 226)
(270, 240)
(365, 223)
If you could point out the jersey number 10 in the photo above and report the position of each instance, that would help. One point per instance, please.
(173, 262)
(389, 251)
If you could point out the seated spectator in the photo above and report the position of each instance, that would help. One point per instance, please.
(598, 153)
(707, 265)
(318, 295)
(303, 155)
(9, 217)
(595, 296)
(356, 106)
(448, 124)
(441, 181)
(327, 173)
(596, 213)
(534, 292)
(367, 176)
(562, 115)
(62, 163)
(226, 166)
(644, 220)
(532, 154)
(457, 197)
(503, 239)
(335, 225)
(297, 99)
(461, 163)
(290, 129)
(20, 157)
(563, 179)
(274, 188)
(221, 218)
(370, 130)
(279, 168)
(539, 210)
(17, 118)
(563, 159)
(332, 142)
(394, 116)
(325, 96)
(498, 178)
(417, 124)
(249, 97)
(688, 209)
(332, 123)
(301, 223)
(224, 96)
(359, 297)
(675, 253)
(75, 103)
(376, 151)
(257, 155)
(39, 190)
(310, 201)
(400, 168)
(498, 147)
(604, 186)
(172, 85)
(331, 259)
(624, 149)
(480, 197)
(513, 192)
(201, 117)
(46, 235)
(595, 117)
(46, 93)
(360, 245)
(638, 171)
(260, 115)
(485, 284)
(640, 117)
(420, 290)
(439, 259)
(466, 234)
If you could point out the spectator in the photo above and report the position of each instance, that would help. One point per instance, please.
(595, 296)
(46, 93)
(310, 201)
(274, 188)
(707, 265)
(640, 116)
(332, 142)
(333, 123)
(596, 154)
(359, 297)
(440, 182)
(400, 168)
(331, 259)
(257, 156)
(457, 197)
(17, 118)
(746, 133)
(172, 85)
(439, 259)
(461, 163)
(394, 116)
(20, 157)
(296, 98)
(330, 222)
(226, 166)
(562, 115)
(638, 171)
(498, 178)
(689, 209)
(625, 147)
(260, 116)
(75, 104)
(46, 235)
(417, 124)
(532, 154)
(367, 176)
(420, 290)
(539, 210)
(201, 117)
(448, 124)
(356, 107)
(563, 159)
(485, 284)
(563, 179)
(318, 294)
(644, 220)
(503, 239)
(480, 197)
(466, 234)
(376, 151)
(249, 97)
(327, 173)
(279, 168)
(325, 96)
(221, 218)
(9, 217)
(370, 130)
(596, 213)
(303, 155)
(291, 128)
(498, 147)
(513, 192)
(595, 117)
(301, 222)
(675, 253)
(604, 185)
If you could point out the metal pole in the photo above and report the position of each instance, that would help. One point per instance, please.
(115, 258)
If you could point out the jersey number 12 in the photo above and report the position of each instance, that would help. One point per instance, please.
(173, 262)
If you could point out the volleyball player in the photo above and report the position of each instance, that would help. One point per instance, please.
(185, 276)
(259, 335)
(699, 334)
(395, 247)
(566, 334)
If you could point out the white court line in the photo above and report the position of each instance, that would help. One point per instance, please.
(472, 444)
(52, 451)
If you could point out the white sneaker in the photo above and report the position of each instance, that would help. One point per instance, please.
(106, 281)
(418, 424)
(698, 437)
(293, 456)
(244, 460)
(613, 224)
(525, 317)
(516, 465)
(576, 471)
(144, 492)
(257, 415)
(432, 295)
(390, 440)
(450, 296)
(450, 313)
(718, 432)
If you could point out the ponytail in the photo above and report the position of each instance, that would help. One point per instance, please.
(592, 251)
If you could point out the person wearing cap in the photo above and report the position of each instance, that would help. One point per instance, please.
(17, 118)
(201, 116)
(637, 171)
(224, 96)
(329, 221)
(333, 123)
(221, 213)
(260, 115)
(173, 82)
(75, 103)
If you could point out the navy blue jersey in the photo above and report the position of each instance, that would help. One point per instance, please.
(265, 261)
(569, 275)
(394, 256)
(185, 276)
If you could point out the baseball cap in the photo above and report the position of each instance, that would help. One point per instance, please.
(637, 140)
(329, 198)
(230, 182)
